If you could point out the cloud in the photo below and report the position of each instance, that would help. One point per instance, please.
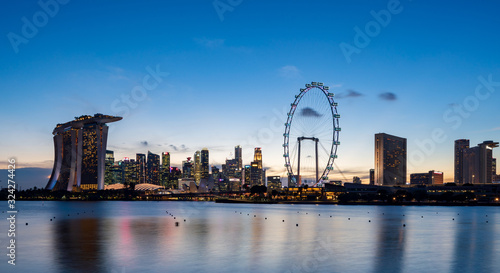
(309, 112)
(349, 94)
(210, 43)
(289, 72)
(144, 143)
(388, 96)
(181, 148)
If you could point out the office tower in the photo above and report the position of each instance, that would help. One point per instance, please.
(197, 167)
(153, 169)
(255, 174)
(238, 157)
(247, 172)
(230, 168)
(165, 161)
(204, 166)
(430, 178)
(372, 176)
(187, 168)
(129, 171)
(140, 160)
(256, 168)
(80, 153)
(390, 160)
(478, 163)
(110, 161)
(460, 146)
(273, 183)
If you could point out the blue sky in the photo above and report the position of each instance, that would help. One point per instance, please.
(228, 71)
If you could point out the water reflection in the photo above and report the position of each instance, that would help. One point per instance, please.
(390, 246)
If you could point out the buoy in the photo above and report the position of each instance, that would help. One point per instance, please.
(404, 225)
(254, 215)
(453, 219)
(369, 221)
(184, 220)
(50, 219)
(348, 218)
(486, 221)
(283, 220)
(176, 224)
(174, 217)
(330, 216)
(421, 216)
(319, 214)
(26, 223)
(296, 225)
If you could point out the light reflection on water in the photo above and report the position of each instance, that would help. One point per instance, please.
(141, 236)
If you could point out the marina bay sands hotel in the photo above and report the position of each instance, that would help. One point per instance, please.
(80, 149)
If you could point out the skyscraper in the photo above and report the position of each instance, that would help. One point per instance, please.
(372, 176)
(256, 168)
(478, 163)
(390, 160)
(238, 157)
(153, 169)
(460, 146)
(165, 161)
(140, 160)
(197, 167)
(204, 166)
(110, 161)
(80, 153)
(187, 168)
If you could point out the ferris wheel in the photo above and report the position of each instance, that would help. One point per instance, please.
(311, 135)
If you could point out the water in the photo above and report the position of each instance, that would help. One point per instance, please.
(122, 237)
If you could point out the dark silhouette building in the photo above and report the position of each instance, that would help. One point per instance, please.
(460, 146)
(153, 169)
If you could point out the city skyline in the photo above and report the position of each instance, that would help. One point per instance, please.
(216, 80)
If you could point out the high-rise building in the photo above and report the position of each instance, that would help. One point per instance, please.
(140, 160)
(430, 178)
(165, 160)
(255, 174)
(256, 168)
(460, 146)
(230, 168)
(238, 157)
(80, 153)
(197, 167)
(110, 161)
(153, 169)
(129, 171)
(494, 167)
(204, 165)
(187, 168)
(247, 172)
(478, 163)
(390, 160)
(372, 176)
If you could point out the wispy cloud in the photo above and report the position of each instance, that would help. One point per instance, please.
(349, 94)
(388, 96)
(289, 72)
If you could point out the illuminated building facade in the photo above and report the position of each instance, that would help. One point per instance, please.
(204, 166)
(372, 176)
(460, 146)
(273, 183)
(165, 161)
(153, 169)
(110, 161)
(80, 153)
(390, 160)
(140, 160)
(197, 167)
(256, 168)
(187, 168)
(430, 178)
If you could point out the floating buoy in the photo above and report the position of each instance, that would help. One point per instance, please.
(296, 225)
(348, 218)
(283, 220)
(50, 219)
(421, 216)
(184, 220)
(404, 225)
(265, 218)
(176, 224)
(26, 223)
(369, 221)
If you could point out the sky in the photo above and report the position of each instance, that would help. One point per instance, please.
(185, 75)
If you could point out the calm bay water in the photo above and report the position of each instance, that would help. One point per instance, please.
(127, 237)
